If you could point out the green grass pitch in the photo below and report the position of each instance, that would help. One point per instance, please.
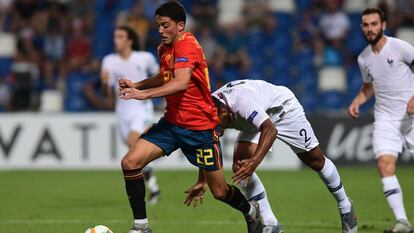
(70, 201)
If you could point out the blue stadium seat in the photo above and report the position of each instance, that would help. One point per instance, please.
(302, 5)
(355, 19)
(354, 79)
(229, 74)
(331, 100)
(75, 103)
(332, 57)
(5, 65)
(307, 80)
(308, 100)
(355, 43)
(304, 59)
(284, 21)
(255, 72)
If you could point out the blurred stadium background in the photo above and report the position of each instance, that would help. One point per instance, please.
(51, 119)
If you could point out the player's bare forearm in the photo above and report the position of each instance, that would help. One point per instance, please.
(106, 90)
(201, 176)
(268, 134)
(153, 82)
(365, 93)
(178, 84)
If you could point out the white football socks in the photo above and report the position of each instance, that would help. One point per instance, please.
(141, 221)
(253, 189)
(393, 194)
(329, 175)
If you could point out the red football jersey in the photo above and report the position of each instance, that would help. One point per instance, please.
(193, 108)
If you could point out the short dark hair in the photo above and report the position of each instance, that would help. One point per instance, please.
(218, 104)
(172, 9)
(131, 36)
(375, 10)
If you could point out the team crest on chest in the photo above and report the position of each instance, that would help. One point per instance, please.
(390, 61)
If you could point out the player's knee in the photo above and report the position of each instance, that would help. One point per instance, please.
(314, 159)
(318, 163)
(128, 163)
(385, 167)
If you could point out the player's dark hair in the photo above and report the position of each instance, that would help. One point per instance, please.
(172, 9)
(218, 104)
(375, 10)
(131, 36)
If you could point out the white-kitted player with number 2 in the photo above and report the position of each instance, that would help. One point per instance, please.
(263, 112)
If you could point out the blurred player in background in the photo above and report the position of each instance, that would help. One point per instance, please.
(190, 121)
(263, 112)
(134, 116)
(387, 72)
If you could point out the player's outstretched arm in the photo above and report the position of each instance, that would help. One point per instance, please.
(268, 134)
(195, 194)
(155, 81)
(364, 94)
(175, 85)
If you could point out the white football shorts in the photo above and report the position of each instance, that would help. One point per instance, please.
(391, 137)
(292, 128)
(137, 122)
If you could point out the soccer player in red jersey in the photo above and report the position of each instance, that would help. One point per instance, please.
(189, 123)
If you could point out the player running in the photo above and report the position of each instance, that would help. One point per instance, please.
(263, 112)
(387, 72)
(189, 123)
(134, 116)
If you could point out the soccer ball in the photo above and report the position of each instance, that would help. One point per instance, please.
(98, 229)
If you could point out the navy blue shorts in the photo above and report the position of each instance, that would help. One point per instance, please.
(201, 147)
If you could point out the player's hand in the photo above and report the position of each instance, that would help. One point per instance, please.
(132, 93)
(410, 106)
(125, 83)
(353, 110)
(247, 167)
(195, 194)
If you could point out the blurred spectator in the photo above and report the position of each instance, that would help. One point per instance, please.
(204, 12)
(137, 20)
(326, 55)
(4, 95)
(78, 49)
(25, 74)
(150, 6)
(253, 12)
(231, 60)
(54, 50)
(403, 14)
(4, 13)
(208, 42)
(308, 28)
(334, 23)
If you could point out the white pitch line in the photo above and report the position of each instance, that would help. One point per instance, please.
(113, 221)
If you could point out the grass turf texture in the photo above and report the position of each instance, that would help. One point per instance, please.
(70, 201)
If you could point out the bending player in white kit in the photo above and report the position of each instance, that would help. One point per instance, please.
(263, 112)
(387, 71)
(134, 116)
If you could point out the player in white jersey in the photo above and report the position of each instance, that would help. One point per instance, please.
(387, 72)
(134, 116)
(263, 112)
